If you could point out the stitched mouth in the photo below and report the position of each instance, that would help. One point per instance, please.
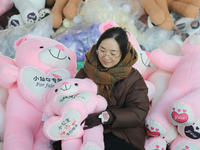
(58, 56)
(144, 62)
(66, 88)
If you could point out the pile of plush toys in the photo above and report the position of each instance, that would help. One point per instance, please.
(42, 44)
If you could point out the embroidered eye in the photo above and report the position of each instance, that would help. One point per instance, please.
(56, 90)
(197, 128)
(41, 47)
(69, 58)
(76, 84)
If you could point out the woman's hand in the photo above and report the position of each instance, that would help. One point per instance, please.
(92, 120)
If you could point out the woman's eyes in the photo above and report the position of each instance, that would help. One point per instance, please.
(102, 51)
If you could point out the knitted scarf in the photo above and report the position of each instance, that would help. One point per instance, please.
(106, 80)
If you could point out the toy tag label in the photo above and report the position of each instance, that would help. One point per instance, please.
(33, 82)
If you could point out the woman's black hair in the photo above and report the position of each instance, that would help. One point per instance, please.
(120, 35)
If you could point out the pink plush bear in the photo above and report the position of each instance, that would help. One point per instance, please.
(67, 104)
(160, 78)
(40, 63)
(3, 100)
(179, 104)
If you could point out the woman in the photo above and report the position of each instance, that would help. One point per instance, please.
(109, 64)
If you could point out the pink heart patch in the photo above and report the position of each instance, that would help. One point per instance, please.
(180, 118)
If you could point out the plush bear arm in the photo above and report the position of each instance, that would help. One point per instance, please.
(70, 10)
(154, 11)
(164, 61)
(101, 104)
(187, 10)
(57, 12)
(8, 75)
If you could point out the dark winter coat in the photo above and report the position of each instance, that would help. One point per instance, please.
(129, 109)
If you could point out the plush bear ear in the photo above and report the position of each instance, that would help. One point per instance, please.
(21, 40)
(106, 25)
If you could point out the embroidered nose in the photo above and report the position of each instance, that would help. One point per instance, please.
(60, 47)
(65, 83)
(148, 54)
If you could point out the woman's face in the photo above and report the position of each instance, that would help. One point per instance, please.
(109, 53)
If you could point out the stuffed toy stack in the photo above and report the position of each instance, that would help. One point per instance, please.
(180, 100)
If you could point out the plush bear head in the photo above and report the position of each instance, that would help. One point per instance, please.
(42, 62)
(84, 90)
(44, 53)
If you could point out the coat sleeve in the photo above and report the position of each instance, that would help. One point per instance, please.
(135, 108)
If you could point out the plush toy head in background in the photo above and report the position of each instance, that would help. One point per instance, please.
(44, 53)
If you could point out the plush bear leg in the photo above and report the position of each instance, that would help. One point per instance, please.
(181, 143)
(22, 122)
(154, 11)
(57, 12)
(158, 121)
(152, 143)
(27, 11)
(41, 141)
(93, 139)
(71, 9)
(15, 20)
(73, 144)
(184, 9)
(168, 23)
(185, 110)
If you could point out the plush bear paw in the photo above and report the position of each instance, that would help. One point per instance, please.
(185, 145)
(155, 129)
(90, 146)
(30, 16)
(44, 13)
(14, 21)
(67, 125)
(155, 143)
(181, 114)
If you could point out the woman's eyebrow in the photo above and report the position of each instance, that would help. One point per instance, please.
(102, 47)
(113, 50)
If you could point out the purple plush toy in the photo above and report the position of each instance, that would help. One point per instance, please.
(80, 38)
